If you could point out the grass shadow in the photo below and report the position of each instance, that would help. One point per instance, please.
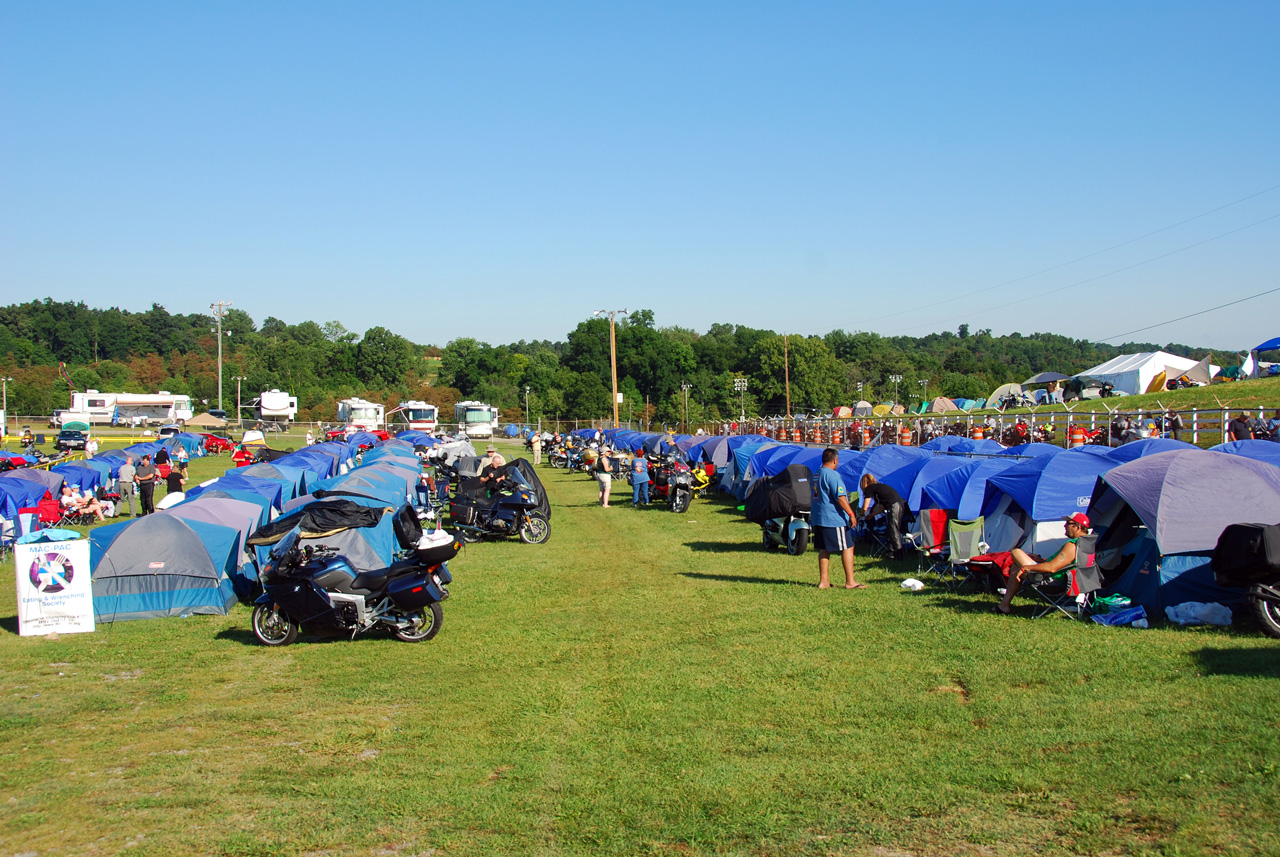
(245, 637)
(725, 547)
(10, 624)
(742, 578)
(1263, 663)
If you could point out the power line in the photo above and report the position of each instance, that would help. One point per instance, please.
(1192, 315)
(1084, 257)
(1096, 278)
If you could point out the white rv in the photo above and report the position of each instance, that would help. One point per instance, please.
(418, 416)
(476, 419)
(277, 407)
(94, 407)
(358, 412)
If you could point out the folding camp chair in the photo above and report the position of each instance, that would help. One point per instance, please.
(930, 541)
(1068, 591)
(874, 534)
(964, 542)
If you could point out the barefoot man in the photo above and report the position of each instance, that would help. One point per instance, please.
(833, 519)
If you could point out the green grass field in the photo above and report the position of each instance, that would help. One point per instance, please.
(644, 683)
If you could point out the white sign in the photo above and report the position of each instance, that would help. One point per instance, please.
(620, 398)
(54, 590)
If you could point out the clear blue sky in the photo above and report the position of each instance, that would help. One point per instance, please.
(499, 170)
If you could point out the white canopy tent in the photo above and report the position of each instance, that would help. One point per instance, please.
(1133, 373)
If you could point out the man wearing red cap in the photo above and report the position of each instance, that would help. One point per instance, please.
(1077, 525)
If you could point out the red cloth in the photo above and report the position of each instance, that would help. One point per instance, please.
(1003, 560)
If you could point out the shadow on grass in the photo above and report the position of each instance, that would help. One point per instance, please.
(245, 637)
(974, 602)
(741, 578)
(725, 547)
(1242, 662)
(10, 624)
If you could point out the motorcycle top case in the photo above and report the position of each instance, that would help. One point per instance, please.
(1246, 554)
(788, 493)
(414, 591)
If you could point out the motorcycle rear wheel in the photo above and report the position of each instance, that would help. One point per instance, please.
(426, 624)
(1267, 613)
(273, 628)
(535, 530)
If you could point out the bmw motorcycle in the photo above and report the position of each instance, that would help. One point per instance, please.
(515, 509)
(315, 588)
(673, 482)
(1248, 556)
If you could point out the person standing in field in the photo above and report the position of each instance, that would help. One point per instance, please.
(639, 479)
(833, 521)
(126, 487)
(536, 443)
(146, 479)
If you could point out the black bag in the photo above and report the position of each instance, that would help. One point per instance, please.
(1246, 554)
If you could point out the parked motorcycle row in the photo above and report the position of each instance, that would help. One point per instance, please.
(672, 481)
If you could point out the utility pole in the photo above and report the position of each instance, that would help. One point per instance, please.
(526, 405)
(5, 406)
(237, 379)
(613, 353)
(786, 373)
(685, 385)
(219, 312)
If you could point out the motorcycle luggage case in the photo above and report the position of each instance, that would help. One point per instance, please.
(414, 591)
(1246, 554)
(301, 600)
(439, 553)
(463, 512)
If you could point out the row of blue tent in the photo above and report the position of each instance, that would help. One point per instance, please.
(194, 556)
(1159, 504)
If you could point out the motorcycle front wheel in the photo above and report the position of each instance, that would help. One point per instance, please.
(535, 530)
(680, 502)
(426, 624)
(798, 543)
(273, 628)
(1266, 612)
(467, 535)
(769, 543)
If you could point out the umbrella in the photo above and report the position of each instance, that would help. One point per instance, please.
(1045, 378)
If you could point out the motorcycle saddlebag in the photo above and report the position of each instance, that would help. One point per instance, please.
(414, 591)
(301, 599)
(462, 512)
(437, 554)
(1246, 554)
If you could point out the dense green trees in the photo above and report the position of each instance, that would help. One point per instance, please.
(113, 349)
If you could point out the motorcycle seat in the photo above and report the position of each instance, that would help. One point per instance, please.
(374, 581)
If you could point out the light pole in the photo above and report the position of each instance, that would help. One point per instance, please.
(5, 406)
(526, 406)
(924, 387)
(740, 386)
(219, 312)
(237, 379)
(685, 385)
(613, 353)
(895, 379)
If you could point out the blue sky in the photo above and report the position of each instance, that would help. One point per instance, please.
(499, 170)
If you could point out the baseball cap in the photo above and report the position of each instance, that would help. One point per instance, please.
(1080, 518)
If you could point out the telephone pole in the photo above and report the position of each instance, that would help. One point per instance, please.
(613, 353)
(684, 413)
(219, 312)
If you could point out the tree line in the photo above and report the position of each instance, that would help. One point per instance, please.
(664, 373)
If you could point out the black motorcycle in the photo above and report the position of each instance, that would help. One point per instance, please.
(1248, 555)
(514, 505)
(314, 587)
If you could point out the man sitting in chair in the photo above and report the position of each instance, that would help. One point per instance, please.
(72, 501)
(1077, 526)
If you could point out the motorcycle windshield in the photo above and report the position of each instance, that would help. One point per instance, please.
(286, 544)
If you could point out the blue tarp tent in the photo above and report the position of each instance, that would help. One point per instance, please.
(243, 517)
(80, 477)
(18, 494)
(759, 462)
(158, 565)
(911, 479)
(883, 460)
(295, 478)
(52, 482)
(1031, 450)
(271, 489)
(114, 459)
(963, 489)
(1160, 516)
(1049, 487)
(1148, 446)
(962, 445)
(511, 431)
(259, 502)
(1258, 450)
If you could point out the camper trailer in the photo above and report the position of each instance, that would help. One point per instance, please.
(136, 409)
(358, 412)
(476, 419)
(418, 416)
(277, 407)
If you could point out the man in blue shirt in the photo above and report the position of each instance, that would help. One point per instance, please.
(833, 519)
(639, 479)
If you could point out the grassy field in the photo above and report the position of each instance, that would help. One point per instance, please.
(644, 683)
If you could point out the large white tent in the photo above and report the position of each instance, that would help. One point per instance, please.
(1133, 373)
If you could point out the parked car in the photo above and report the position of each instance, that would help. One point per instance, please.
(69, 439)
(216, 412)
(168, 431)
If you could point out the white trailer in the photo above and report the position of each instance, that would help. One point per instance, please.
(418, 416)
(94, 407)
(476, 419)
(360, 413)
(277, 407)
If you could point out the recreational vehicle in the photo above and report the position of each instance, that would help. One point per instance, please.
(277, 407)
(418, 416)
(137, 409)
(476, 419)
(358, 412)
